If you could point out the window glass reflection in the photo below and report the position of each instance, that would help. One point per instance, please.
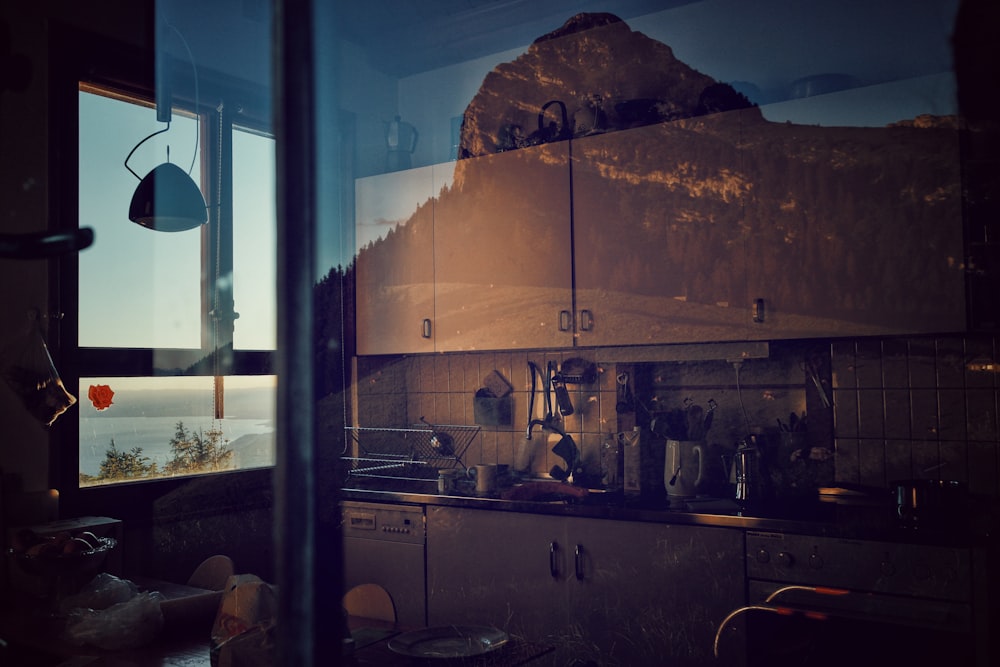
(143, 428)
(138, 288)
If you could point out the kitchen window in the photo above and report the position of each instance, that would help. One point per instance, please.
(175, 329)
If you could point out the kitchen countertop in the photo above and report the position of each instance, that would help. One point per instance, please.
(833, 516)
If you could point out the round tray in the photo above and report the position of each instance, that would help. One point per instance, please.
(450, 641)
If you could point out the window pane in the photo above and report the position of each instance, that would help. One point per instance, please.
(138, 287)
(146, 413)
(254, 241)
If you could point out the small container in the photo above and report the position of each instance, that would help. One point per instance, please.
(447, 480)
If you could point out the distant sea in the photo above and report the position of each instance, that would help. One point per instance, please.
(250, 438)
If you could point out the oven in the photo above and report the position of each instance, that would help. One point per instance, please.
(823, 601)
(384, 544)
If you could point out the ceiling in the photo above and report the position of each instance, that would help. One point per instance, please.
(403, 37)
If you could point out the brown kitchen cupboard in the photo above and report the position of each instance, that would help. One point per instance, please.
(853, 231)
(616, 592)
(395, 261)
(658, 221)
(482, 262)
(719, 227)
(728, 226)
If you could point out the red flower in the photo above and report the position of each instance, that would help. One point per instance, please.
(100, 395)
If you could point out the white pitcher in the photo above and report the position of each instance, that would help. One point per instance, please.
(683, 468)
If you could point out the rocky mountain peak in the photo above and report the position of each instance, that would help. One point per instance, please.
(593, 74)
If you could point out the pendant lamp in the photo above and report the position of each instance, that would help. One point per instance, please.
(167, 199)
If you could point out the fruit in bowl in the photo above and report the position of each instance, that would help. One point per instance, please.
(62, 553)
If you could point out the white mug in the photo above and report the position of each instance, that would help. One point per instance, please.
(486, 479)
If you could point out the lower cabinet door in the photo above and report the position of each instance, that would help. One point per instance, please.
(599, 591)
(502, 569)
(652, 594)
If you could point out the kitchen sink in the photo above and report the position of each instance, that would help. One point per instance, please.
(554, 491)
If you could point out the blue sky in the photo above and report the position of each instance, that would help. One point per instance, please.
(138, 287)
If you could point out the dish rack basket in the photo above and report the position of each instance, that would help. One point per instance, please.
(407, 453)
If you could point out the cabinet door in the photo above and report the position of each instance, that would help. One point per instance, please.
(854, 231)
(502, 252)
(502, 569)
(648, 594)
(394, 231)
(657, 213)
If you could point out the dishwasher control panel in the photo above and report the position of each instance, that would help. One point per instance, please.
(392, 523)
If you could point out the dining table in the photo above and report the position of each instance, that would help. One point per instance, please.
(29, 637)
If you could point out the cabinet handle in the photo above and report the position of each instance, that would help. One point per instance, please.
(565, 320)
(426, 328)
(578, 562)
(586, 320)
(758, 310)
(553, 560)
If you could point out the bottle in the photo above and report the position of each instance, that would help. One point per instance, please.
(632, 462)
(611, 463)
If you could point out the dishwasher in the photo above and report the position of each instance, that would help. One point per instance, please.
(384, 544)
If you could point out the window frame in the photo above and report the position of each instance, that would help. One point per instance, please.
(79, 58)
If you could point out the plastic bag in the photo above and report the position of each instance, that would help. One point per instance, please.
(101, 592)
(243, 631)
(127, 624)
(27, 367)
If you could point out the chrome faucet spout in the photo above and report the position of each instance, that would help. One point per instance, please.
(533, 423)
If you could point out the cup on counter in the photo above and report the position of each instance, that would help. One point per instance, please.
(486, 478)
(448, 480)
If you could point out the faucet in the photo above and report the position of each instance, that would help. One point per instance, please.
(533, 423)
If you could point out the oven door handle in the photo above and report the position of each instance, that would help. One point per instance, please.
(775, 609)
(822, 590)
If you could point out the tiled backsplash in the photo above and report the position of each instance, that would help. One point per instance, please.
(917, 408)
(902, 407)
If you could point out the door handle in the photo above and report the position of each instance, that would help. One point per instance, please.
(553, 559)
(426, 324)
(565, 320)
(586, 320)
(578, 562)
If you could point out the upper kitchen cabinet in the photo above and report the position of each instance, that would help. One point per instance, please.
(394, 266)
(661, 175)
(482, 262)
(657, 226)
(854, 231)
(502, 252)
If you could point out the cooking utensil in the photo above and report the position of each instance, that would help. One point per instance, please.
(578, 371)
(441, 442)
(624, 403)
(712, 405)
(695, 423)
(562, 394)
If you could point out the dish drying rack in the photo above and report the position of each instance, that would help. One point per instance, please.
(413, 454)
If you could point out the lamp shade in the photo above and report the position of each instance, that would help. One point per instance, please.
(168, 200)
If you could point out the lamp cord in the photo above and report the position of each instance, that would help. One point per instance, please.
(140, 144)
(197, 106)
(197, 94)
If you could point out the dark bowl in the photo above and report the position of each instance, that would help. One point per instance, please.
(81, 562)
